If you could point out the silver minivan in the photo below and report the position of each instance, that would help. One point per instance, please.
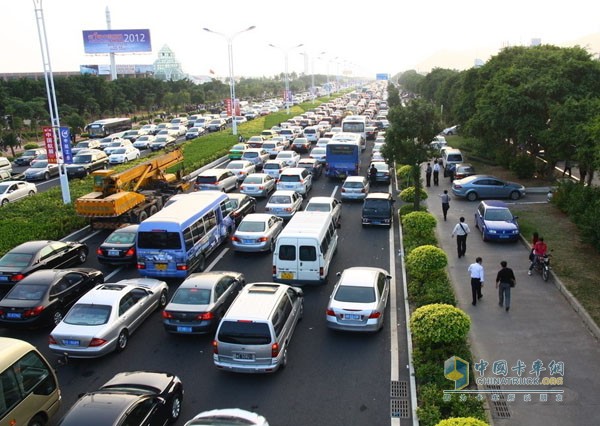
(254, 334)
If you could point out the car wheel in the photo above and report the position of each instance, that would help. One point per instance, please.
(31, 193)
(175, 410)
(153, 210)
(82, 256)
(483, 237)
(515, 195)
(284, 359)
(163, 300)
(142, 216)
(201, 263)
(46, 176)
(122, 340)
(37, 421)
(272, 246)
(57, 317)
(472, 196)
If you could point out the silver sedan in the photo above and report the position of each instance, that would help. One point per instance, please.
(105, 317)
(258, 185)
(257, 232)
(359, 299)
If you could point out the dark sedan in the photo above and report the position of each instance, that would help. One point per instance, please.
(43, 297)
(119, 247)
(130, 398)
(201, 301)
(35, 255)
(242, 205)
(314, 167)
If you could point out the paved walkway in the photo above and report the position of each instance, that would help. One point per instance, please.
(541, 325)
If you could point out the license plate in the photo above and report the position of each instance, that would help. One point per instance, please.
(3, 278)
(287, 275)
(68, 342)
(113, 252)
(352, 316)
(160, 266)
(503, 236)
(13, 315)
(243, 356)
(248, 241)
(181, 329)
(289, 186)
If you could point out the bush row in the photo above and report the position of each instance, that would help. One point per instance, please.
(439, 329)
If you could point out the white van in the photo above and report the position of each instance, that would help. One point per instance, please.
(29, 392)
(5, 164)
(304, 249)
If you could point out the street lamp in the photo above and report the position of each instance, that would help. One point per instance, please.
(287, 96)
(229, 39)
(311, 60)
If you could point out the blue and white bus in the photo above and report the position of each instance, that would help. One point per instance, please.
(356, 124)
(342, 156)
(178, 239)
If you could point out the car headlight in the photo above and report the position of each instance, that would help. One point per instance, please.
(492, 231)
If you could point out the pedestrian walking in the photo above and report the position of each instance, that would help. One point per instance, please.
(436, 173)
(428, 172)
(461, 230)
(505, 279)
(477, 277)
(567, 167)
(445, 203)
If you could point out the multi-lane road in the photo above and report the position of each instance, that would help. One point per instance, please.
(331, 378)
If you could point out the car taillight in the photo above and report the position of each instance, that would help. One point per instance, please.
(141, 265)
(375, 314)
(363, 190)
(51, 340)
(288, 209)
(242, 187)
(274, 350)
(261, 187)
(182, 267)
(205, 316)
(33, 312)
(215, 346)
(97, 342)
(167, 315)
(262, 239)
(330, 312)
(17, 277)
(343, 189)
(130, 252)
(99, 251)
(234, 238)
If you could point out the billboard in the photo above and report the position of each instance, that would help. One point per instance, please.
(116, 41)
(382, 76)
(122, 69)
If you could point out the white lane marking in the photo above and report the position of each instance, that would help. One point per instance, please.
(214, 262)
(335, 189)
(113, 273)
(87, 237)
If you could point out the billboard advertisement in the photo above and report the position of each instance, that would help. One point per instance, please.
(116, 41)
(382, 76)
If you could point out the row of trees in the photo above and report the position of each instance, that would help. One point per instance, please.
(83, 98)
(523, 101)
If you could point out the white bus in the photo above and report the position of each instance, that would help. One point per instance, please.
(356, 124)
(29, 392)
(305, 248)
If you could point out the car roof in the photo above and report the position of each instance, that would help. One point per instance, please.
(358, 276)
(100, 408)
(292, 170)
(379, 195)
(129, 228)
(205, 279)
(284, 192)
(321, 200)
(106, 294)
(257, 217)
(213, 172)
(10, 182)
(32, 246)
(355, 179)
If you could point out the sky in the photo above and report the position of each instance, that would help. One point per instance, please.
(355, 38)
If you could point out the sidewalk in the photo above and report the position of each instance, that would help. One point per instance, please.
(541, 325)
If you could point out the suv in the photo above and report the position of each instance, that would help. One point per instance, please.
(378, 209)
(86, 162)
(29, 155)
(295, 179)
(451, 157)
(216, 179)
(254, 334)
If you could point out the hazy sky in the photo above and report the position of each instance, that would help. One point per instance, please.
(357, 36)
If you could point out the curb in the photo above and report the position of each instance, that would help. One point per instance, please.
(591, 325)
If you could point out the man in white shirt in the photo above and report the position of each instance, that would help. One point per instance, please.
(477, 278)
(436, 173)
(461, 230)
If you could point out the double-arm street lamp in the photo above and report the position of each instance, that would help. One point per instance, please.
(287, 96)
(311, 60)
(229, 39)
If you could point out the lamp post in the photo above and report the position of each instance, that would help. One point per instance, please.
(229, 39)
(311, 61)
(287, 96)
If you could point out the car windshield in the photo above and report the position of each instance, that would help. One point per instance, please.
(250, 154)
(83, 145)
(82, 159)
(88, 314)
(27, 292)
(161, 139)
(192, 296)
(353, 185)
(285, 155)
(40, 165)
(29, 153)
(273, 166)
(119, 151)
(498, 215)
(238, 147)
(251, 226)
(143, 138)
(15, 260)
(269, 145)
(114, 144)
(318, 207)
(355, 294)
(121, 238)
(280, 199)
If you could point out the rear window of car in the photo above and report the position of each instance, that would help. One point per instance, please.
(355, 294)
(86, 314)
(250, 154)
(287, 252)
(244, 333)
(206, 179)
(289, 178)
(273, 166)
(454, 157)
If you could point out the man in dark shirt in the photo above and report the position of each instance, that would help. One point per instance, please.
(504, 281)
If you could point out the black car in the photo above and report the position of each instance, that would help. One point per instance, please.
(242, 205)
(119, 247)
(43, 297)
(314, 166)
(378, 209)
(87, 161)
(131, 398)
(34, 255)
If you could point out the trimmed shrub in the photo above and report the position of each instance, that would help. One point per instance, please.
(408, 208)
(462, 421)
(418, 223)
(438, 324)
(424, 260)
(31, 145)
(408, 195)
(436, 288)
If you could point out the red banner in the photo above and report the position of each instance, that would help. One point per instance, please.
(49, 143)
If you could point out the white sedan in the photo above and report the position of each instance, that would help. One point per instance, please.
(13, 190)
(241, 168)
(258, 185)
(290, 158)
(144, 141)
(124, 155)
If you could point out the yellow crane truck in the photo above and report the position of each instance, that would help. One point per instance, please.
(132, 195)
